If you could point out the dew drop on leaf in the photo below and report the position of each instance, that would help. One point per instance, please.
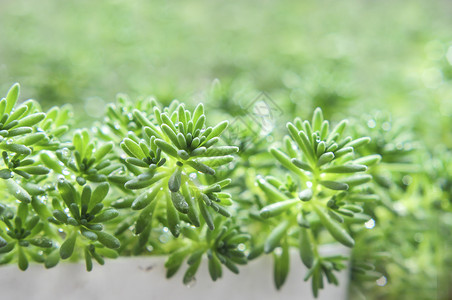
(191, 282)
(370, 224)
(371, 124)
(382, 281)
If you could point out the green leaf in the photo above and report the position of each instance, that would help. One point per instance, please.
(175, 180)
(106, 215)
(301, 164)
(3, 242)
(103, 151)
(108, 240)
(5, 174)
(166, 147)
(216, 161)
(305, 195)
(334, 228)
(272, 193)
(31, 120)
(17, 191)
(171, 135)
(368, 160)
(277, 208)
(11, 97)
(179, 202)
(189, 275)
(334, 185)
(281, 266)
(275, 236)
(345, 169)
(172, 217)
(306, 251)
(217, 130)
(50, 162)
(205, 213)
(357, 179)
(317, 119)
(359, 142)
(88, 260)
(31, 139)
(90, 235)
(52, 259)
(285, 161)
(99, 194)
(67, 192)
(201, 167)
(308, 147)
(325, 158)
(34, 170)
(134, 148)
(144, 199)
(67, 248)
(214, 267)
(198, 112)
(16, 148)
(8, 248)
(42, 242)
(23, 261)
(221, 151)
(175, 260)
(339, 129)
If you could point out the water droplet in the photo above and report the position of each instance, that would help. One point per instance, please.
(193, 176)
(65, 152)
(149, 248)
(66, 210)
(65, 172)
(18, 192)
(278, 251)
(60, 230)
(241, 247)
(164, 238)
(117, 126)
(371, 124)
(165, 229)
(370, 224)
(104, 130)
(382, 281)
(309, 184)
(191, 282)
(407, 180)
(9, 142)
(386, 126)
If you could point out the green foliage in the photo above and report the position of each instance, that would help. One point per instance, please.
(161, 180)
(322, 192)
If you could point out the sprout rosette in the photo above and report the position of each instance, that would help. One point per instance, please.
(325, 189)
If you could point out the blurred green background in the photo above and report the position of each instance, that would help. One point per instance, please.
(349, 57)
(388, 54)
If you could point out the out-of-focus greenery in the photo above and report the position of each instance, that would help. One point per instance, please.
(348, 57)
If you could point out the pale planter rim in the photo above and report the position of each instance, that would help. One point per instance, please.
(143, 277)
